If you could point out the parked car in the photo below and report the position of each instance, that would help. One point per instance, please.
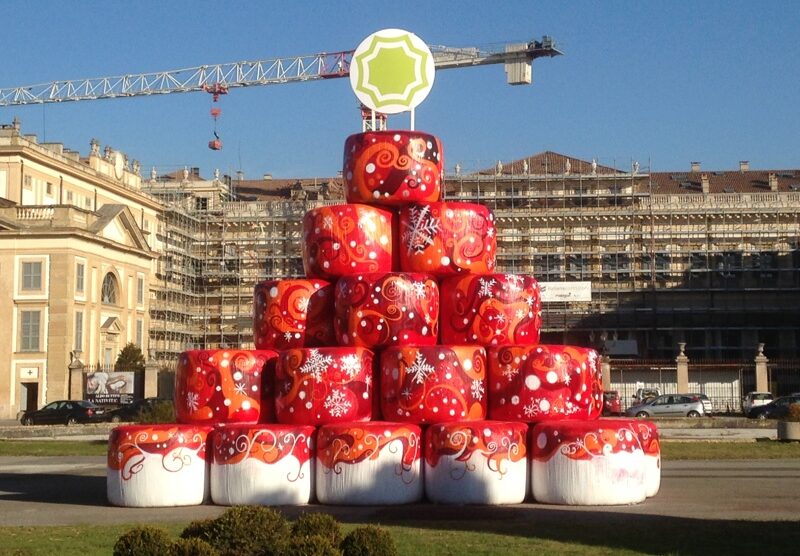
(645, 394)
(612, 404)
(754, 399)
(132, 411)
(66, 412)
(669, 405)
(707, 405)
(776, 409)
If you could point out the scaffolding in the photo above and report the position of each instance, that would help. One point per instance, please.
(710, 269)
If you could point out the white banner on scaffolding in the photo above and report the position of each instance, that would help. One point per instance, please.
(565, 291)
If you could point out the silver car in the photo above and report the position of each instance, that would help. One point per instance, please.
(669, 405)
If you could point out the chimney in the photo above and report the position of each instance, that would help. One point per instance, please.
(695, 166)
(744, 165)
(239, 175)
(704, 184)
(267, 177)
(773, 181)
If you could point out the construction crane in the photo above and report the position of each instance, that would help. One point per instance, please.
(517, 58)
(220, 78)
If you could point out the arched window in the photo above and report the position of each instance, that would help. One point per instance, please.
(110, 292)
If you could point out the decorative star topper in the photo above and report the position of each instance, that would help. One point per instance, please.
(392, 71)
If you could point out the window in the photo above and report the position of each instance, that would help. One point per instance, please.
(69, 196)
(32, 276)
(49, 188)
(201, 203)
(80, 271)
(139, 332)
(28, 182)
(30, 331)
(140, 290)
(78, 331)
(109, 292)
(88, 202)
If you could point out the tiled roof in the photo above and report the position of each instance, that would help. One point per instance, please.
(549, 162)
(725, 181)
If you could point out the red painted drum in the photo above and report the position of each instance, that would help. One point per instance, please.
(262, 464)
(340, 240)
(292, 314)
(157, 465)
(490, 309)
(444, 239)
(479, 462)
(222, 386)
(536, 383)
(433, 384)
(392, 167)
(369, 463)
(317, 386)
(587, 463)
(379, 310)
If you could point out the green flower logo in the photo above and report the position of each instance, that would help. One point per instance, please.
(392, 71)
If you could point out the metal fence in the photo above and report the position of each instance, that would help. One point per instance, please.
(724, 382)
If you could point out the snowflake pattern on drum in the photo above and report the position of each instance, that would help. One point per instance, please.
(490, 310)
(392, 167)
(341, 240)
(223, 386)
(324, 385)
(444, 239)
(433, 384)
(535, 383)
(378, 310)
(293, 313)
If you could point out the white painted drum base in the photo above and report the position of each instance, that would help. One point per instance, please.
(179, 478)
(652, 475)
(613, 479)
(473, 482)
(283, 483)
(371, 482)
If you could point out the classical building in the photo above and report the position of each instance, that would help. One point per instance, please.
(77, 262)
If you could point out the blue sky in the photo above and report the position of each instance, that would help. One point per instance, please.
(664, 83)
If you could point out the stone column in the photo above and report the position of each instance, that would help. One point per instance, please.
(762, 376)
(76, 378)
(605, 367)
(151, 377)
(683, 369)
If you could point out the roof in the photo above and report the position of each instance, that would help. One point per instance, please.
(549, 162)
(281, 189)
(725, 181)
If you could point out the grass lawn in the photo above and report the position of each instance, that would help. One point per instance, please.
(670, 450)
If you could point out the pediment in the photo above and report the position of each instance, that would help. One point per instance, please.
(116, 223)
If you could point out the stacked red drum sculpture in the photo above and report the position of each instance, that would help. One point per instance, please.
(403, 366)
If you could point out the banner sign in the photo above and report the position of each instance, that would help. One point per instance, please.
(109, 387)
(565, 291)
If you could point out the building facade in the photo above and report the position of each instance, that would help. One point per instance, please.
(76, 264)
(634, 262)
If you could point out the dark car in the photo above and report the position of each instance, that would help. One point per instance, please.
(775, 409)
(64, 412)
(133, 410)
(612, 405)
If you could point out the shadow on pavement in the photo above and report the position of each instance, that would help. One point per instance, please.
(53, 488)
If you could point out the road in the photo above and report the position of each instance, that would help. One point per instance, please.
(71, 490)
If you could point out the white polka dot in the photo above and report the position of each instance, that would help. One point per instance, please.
(552, 377)
(544, 405)
(541, 440)
(369, 168)
(467, 364)
(532, 382)
(273, 292)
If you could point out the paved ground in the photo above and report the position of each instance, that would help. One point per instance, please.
(71, 490)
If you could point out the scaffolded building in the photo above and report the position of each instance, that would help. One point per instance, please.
(639, 261)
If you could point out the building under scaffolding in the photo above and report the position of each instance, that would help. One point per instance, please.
(706, 258)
